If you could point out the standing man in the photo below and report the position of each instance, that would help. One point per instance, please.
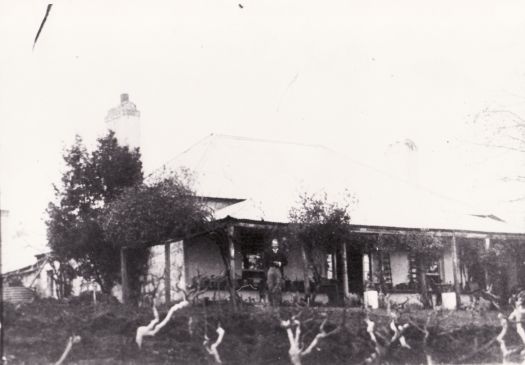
(274, 262)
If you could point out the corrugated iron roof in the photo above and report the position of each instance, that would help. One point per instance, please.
(271, 175)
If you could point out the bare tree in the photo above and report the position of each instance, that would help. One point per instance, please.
(297, 349)
(155, 326)
(502, 130)
(383, 343)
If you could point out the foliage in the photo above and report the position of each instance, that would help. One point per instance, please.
(496, 261)
(89, 182)
(321, 223)
(493, 262)
(469, 253)
(427, 246)
(320, 227)
(145, 214)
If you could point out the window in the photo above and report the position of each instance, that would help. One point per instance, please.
(330, 273)
(253, 261)
(252, 264)
(434, 270)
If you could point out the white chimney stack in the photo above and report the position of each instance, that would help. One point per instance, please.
(124, 120)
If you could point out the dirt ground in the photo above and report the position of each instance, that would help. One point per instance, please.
(36, 333)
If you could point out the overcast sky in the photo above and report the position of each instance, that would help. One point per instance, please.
(355, 76)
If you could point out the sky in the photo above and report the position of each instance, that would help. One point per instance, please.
(352, 75)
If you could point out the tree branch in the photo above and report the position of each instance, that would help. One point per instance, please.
(500, 338)
(70, 342)
(322, 334)
(154, 327)
(213, 348)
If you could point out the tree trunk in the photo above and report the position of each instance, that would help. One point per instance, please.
(295, 358)
(123, 277)
(167, 273)
(306, 271)
(105, 285)
(60, 285)
(346, 288)
(231, 273)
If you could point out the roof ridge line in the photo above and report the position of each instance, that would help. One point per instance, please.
(209, 136)
(264, 140)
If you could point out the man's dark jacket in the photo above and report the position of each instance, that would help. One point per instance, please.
(270, 257)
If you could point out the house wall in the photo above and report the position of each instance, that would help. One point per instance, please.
(178, 271)
(155, 275)
(40, 283)
(202, 256)
(27, 279)
(45, 286)
(399, 266)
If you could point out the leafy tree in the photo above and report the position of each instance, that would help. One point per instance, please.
(150, 213)
(319, 227)
(496, 262)
(89, 183)
(427, 248)
(144, 214)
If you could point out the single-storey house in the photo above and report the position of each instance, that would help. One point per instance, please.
(40, 280)
(252, 184)
(24, 283)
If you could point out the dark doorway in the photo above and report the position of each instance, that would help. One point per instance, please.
(355, 269)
